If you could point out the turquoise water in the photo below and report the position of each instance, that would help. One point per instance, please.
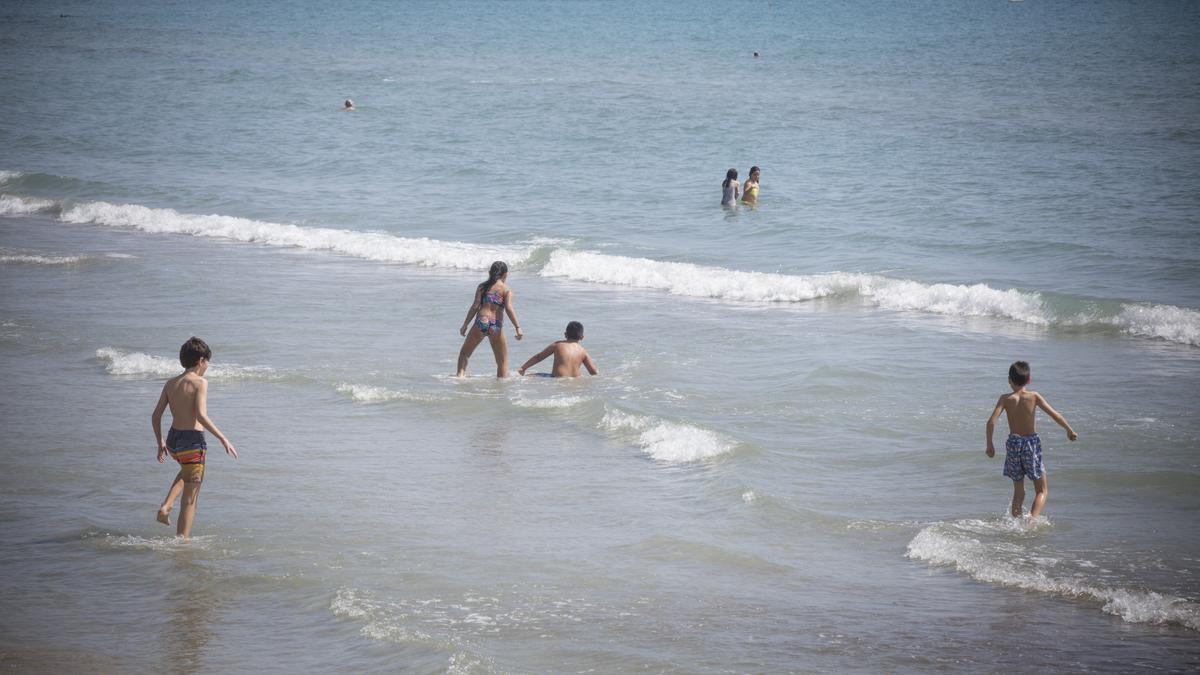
(779, 468)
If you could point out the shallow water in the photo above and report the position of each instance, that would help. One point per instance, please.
(780, 467)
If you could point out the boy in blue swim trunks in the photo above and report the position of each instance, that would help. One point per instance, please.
(187, 395)
(1023, 449)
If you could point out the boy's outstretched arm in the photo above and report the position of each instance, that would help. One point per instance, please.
(1054, 415)
(535, 359)
(156, 422)
(587, 363)
(202, 415)
(991, 426)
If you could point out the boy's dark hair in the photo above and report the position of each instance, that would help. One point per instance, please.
(192, 351)
(1018, 372)
(574, 330)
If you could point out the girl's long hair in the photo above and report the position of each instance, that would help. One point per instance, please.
(729, 175)
(495, 272)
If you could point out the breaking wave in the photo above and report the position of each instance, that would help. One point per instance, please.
(985, 550)
(1167, 322)
(14, 205)
(366, 393)
(670, 442)
(120, 362)
(375, 246)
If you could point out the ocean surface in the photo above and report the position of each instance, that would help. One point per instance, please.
(780, 467)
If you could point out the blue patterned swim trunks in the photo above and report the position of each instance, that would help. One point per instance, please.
(1023, 457)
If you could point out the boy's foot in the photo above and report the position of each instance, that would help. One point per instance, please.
(164, 517)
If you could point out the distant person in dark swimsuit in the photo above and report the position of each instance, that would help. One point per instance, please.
(750, 189)
(493, 298)
(729, 188)
(348, 106)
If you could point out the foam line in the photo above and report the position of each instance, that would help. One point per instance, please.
(981, 549)
(120, 362)
(375, 246)
(1167, 322)
(669, 442)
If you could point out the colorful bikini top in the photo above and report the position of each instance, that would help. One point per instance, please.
(492, 298)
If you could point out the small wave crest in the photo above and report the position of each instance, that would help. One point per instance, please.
(32, 259)
(120, 362)
(1167, 322)
(986, 551)
(374, 246)
(669, 442)
(696, 280)
(129, 541)
(449, 625)
(555, 403)
(366, 393)
(14, 205)
(6, 176)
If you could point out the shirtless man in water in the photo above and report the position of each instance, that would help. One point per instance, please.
(569, 355)
(187, 396)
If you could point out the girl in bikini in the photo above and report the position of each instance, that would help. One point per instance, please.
(492, 299)
(750, 189)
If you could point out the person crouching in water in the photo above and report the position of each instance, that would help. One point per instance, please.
(569, 355)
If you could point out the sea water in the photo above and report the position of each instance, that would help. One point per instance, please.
(780, 466)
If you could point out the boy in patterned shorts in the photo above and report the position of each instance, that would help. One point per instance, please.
(1023, 449)
(187, 395)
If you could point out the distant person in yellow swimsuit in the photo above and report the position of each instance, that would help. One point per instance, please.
(750, 189)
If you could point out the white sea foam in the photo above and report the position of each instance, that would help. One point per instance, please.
(1177, 324)
(956, 300)
(669, 442)
(14, 205)
(165, 543)
(366, 393)
(367, 245)
(1168, 322)
(6, 176)
(985, 550)
(120, 362)
(697, 280)
(453, 623)
(29, 259)
(558, 402)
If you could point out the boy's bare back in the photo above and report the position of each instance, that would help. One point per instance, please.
(569, 357)
(183, 394)
(1020, 407)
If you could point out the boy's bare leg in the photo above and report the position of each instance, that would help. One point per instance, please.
(474, 337)
(1039, 497)
(1018, 500)
(164, 511)
(187, 509)
(500, 349)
